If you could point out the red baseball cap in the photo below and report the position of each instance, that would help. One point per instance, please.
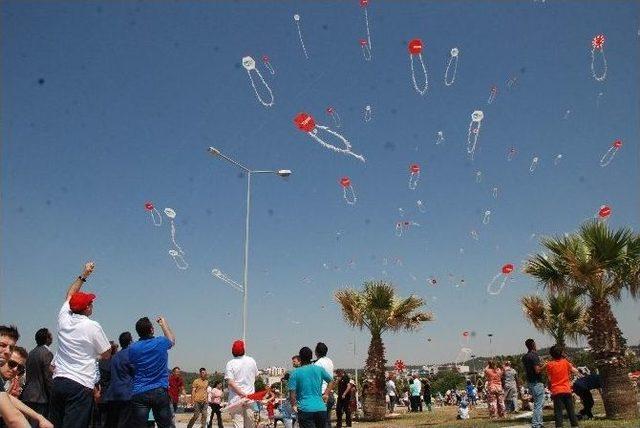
(80, 301)
(237, 349)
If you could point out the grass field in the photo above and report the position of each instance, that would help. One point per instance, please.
(479, 418)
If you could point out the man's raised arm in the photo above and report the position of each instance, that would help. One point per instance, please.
(82, 278)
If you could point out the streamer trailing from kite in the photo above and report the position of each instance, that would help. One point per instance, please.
(296, 18)
(348, 193)
(249, 64)
(493, 93)
(474, 131)
(453, 63)
(156, 218)
(414, 176)
(367, 113)
(486, 217)
(534, 164)
(608, 156)
(364, 4)
(178, 259)
(171, 214)
(366, 50)
(306, 123)
(415, 49)
(597, 55)
(267, 64)
(335, 116)
(498, 282)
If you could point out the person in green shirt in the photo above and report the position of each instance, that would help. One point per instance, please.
(305, 386)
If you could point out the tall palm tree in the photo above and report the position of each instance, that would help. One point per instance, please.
(377, 308)
(562, 315)
(598, 264)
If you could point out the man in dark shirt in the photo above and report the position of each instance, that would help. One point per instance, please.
(118, 393)
(533, 370)
(37, 387)
(582, 387)
(344, 398)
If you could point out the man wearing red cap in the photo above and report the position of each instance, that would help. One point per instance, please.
(241, 374)
(80, 342)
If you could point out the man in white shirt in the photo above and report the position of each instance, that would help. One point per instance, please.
(240, 374)
(390, 388)
(326, 363)
(80, 342)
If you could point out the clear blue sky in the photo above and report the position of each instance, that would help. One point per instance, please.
(106, 105)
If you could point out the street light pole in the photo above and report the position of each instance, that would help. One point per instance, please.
(281, 173)
(246, 261)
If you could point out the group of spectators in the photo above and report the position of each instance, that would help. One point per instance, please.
(88, 382)
(91, 381)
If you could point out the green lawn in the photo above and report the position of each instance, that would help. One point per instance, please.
(479, 418)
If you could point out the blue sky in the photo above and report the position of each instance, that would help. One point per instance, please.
(106, 105)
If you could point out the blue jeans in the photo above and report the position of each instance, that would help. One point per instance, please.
(537, 393)
(156, 400)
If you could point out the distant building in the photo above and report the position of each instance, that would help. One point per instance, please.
(274, 371)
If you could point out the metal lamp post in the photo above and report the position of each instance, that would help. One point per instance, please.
(281, 173)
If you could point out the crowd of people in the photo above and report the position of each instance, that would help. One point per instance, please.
(91, 381)
(500, 388)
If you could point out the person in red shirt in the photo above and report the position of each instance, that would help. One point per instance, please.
(176, 387)
(559, 372)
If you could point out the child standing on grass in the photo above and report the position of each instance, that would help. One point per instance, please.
(559, 371)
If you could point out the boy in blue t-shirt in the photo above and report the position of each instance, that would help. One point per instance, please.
(149, 357)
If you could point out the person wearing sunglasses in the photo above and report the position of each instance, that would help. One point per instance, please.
(11, 368)
(9, 337)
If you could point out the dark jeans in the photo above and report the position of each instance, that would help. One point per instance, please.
(312, 419)
(427, 401)
(118, 414)
(100, 413)
(331, 401)
(566, 400)
(157, 400)
(41, 408)
(587, 401)
(415, 402)
(71, 404)
(343, 406)
(215, 408)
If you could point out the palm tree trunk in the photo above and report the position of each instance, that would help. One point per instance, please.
(608, 347)
(373, 402)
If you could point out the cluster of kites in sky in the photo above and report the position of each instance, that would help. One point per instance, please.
(327, 135)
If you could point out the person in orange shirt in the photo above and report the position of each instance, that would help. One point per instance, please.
(495, 393)
(559, 372)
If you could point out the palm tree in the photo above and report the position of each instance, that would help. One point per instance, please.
(377, 308)
(597, 264)
(563, 316)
